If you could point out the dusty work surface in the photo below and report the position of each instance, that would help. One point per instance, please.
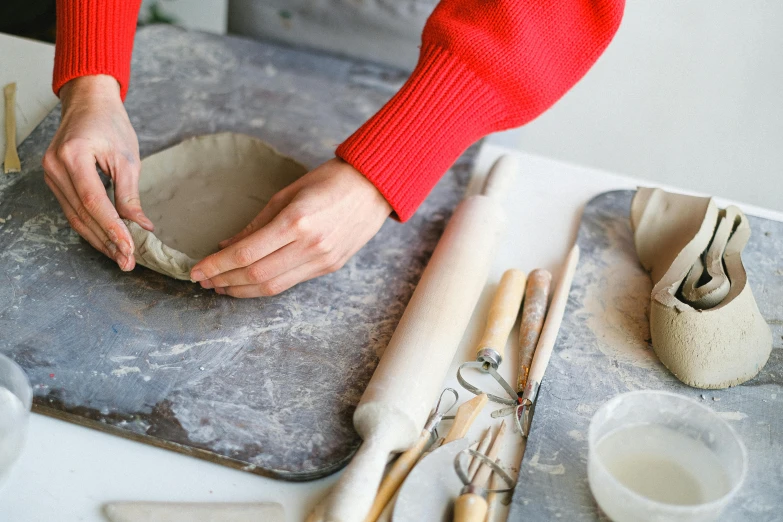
(603, 349)
(266, 385)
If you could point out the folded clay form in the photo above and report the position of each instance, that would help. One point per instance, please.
(705, 324)
(202, 191)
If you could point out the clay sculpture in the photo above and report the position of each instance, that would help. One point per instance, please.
(202, 191)
(705, 324)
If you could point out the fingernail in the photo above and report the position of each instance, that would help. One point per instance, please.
(197, 275)
(220, 290)
(125, 247)
(207, 284)
(122, 261)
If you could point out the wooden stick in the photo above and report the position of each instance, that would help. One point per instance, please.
(554, 318)
(12, 163)
(503, 311)
(533, 315)
(484, 471)
(495, 482)
(465, 416)
(482, 448)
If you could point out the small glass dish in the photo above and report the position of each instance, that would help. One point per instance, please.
(16, 398)
(659, 456)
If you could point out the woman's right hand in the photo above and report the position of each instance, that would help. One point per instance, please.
(95, 130)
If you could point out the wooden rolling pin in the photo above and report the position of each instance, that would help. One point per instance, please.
(395, 405)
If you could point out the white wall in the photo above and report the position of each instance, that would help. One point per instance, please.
(201, 15)
(688, 94)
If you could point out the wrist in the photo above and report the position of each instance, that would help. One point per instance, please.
(361, 180)
(100, 88)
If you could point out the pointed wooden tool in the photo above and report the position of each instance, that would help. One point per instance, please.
(465, 416)
(193, 512)
(11, 163)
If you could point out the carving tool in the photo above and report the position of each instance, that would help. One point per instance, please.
(533, 315)
(405, 462)
(547, 341)
(12, 163)
(411, 504)
(395, 404)
(471, 505)
(501, 318)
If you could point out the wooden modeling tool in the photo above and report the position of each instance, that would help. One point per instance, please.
(193, 512)
(481, 478)
(471, 505)
(483, 447)
(502, 316)
(547, 341)
(395, 404)
(495, 482)
(411, 505)
(11, 163)
(533, 314)
(405, 462)
(465, 416)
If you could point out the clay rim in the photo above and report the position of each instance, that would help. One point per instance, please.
(675, 509)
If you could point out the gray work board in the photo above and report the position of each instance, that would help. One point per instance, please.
(265, 385)
(604, 349)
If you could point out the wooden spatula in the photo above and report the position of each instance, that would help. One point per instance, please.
(11, 163)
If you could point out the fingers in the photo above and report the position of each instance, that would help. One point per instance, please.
(275, 264)
(245, 252)
(92, 196)
(98, 239)
(126, 194)
(278, 202)
(278, 284)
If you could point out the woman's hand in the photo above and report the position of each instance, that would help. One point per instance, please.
(95, 129)
(310, 228)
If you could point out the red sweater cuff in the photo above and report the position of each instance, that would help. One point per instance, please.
(94, 37)
(439, 112)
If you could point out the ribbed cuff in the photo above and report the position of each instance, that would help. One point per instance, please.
(94, 37)
(407, 146)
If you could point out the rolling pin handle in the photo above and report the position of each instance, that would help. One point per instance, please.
(500, 177)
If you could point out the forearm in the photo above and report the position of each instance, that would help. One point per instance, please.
(94, 37)
(484, 66)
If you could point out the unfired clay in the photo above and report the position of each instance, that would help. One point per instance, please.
(202, 191)
(705, 324)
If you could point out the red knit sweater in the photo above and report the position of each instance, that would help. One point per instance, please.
(484, 66)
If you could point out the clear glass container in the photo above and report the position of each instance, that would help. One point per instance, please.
(16, 397)
(659, 456)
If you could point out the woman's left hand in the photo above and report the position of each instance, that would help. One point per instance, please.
(308, 229)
